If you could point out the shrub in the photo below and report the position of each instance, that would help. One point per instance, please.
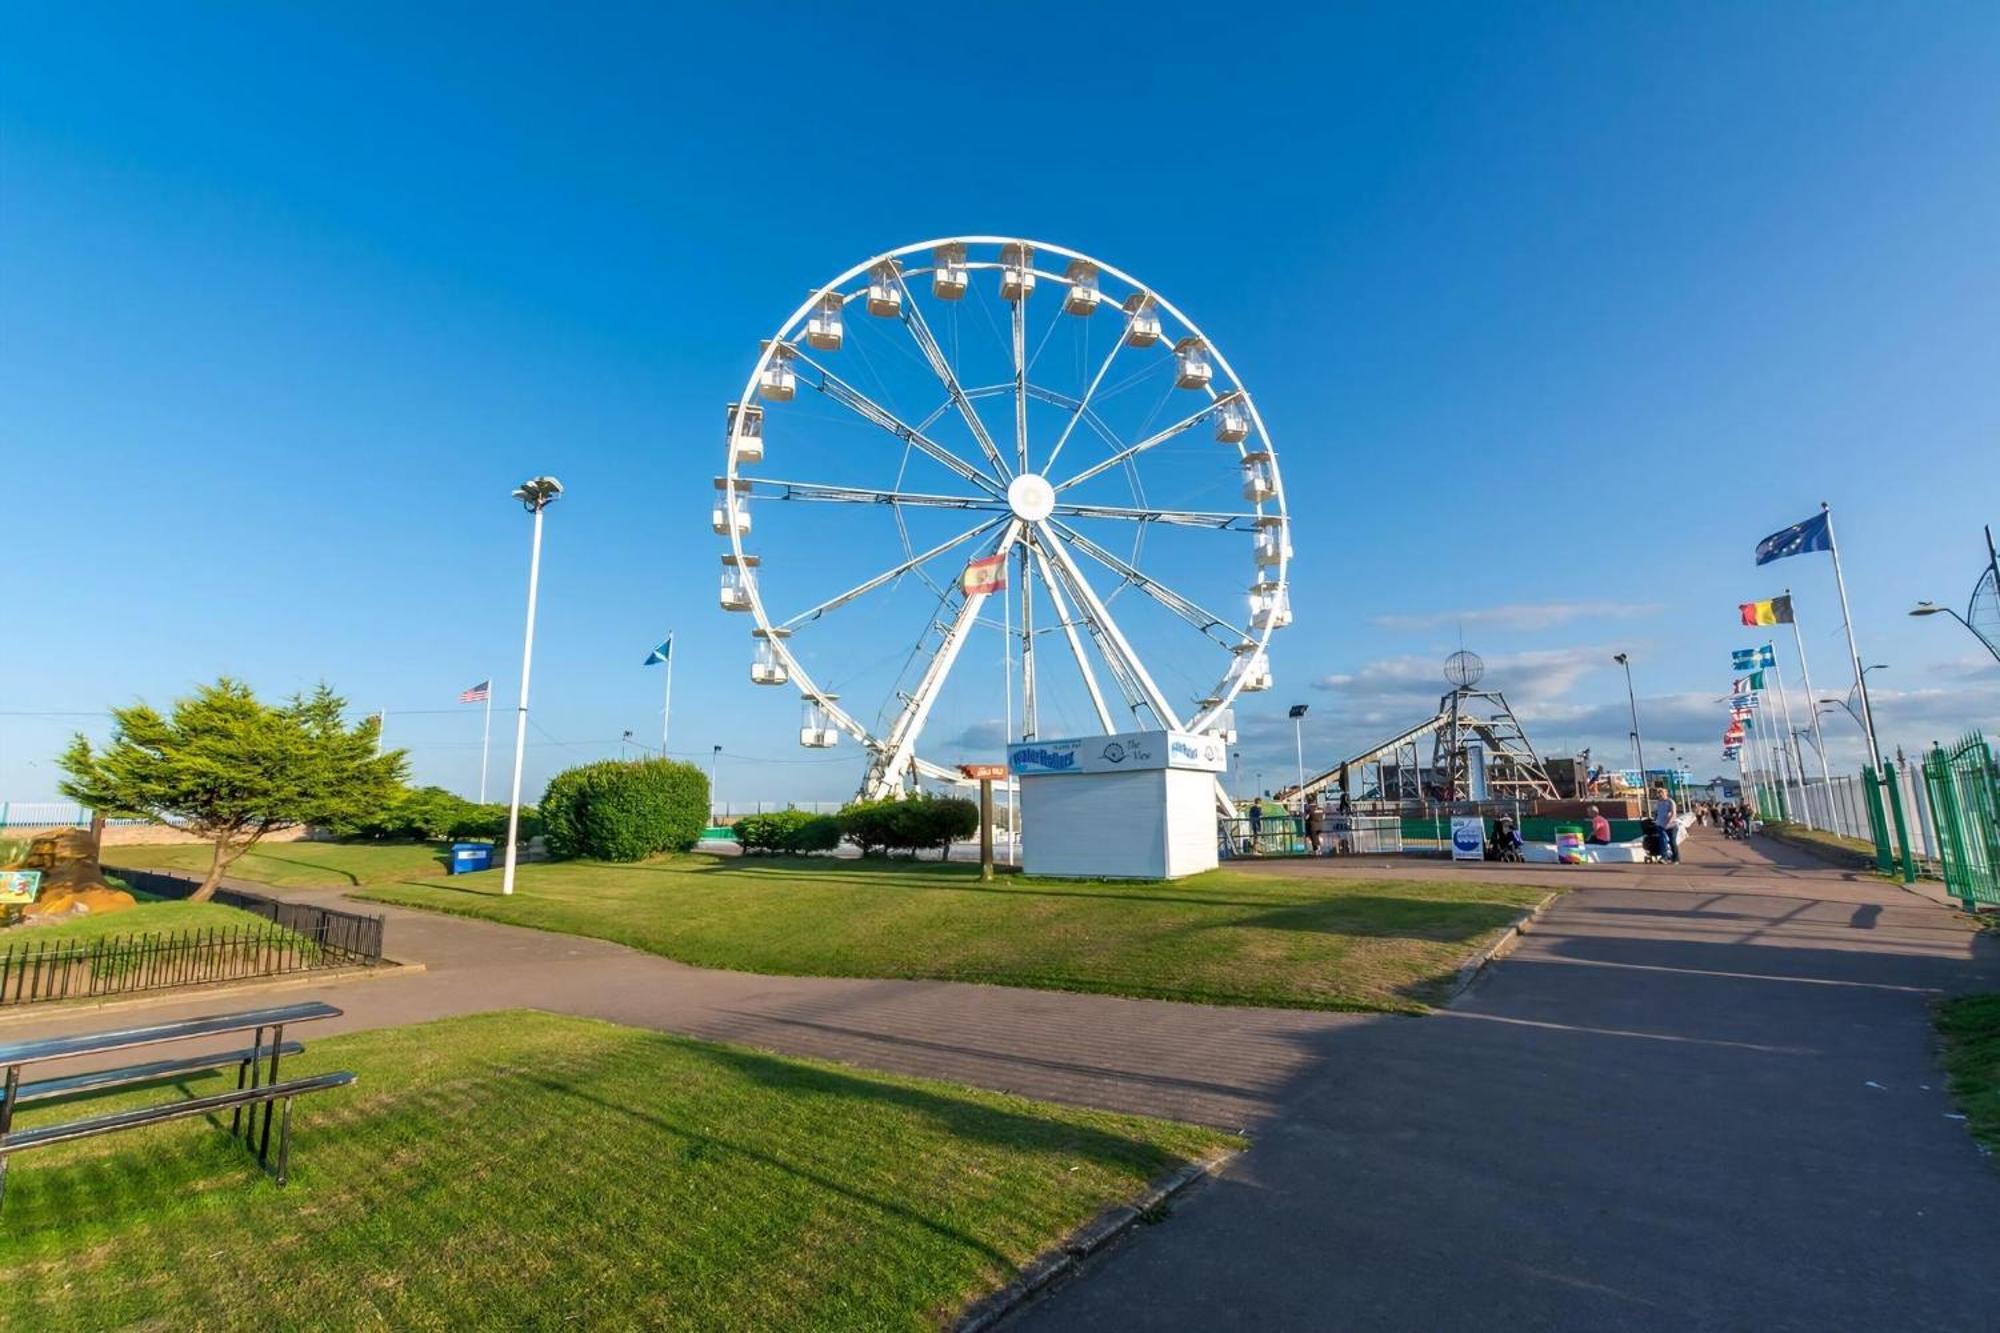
(616, 810)
(821, 833)
(490, 821)
(770, 833)
(909, 824)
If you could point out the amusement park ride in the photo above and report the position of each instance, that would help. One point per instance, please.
(1025, 479)
(1478, 751)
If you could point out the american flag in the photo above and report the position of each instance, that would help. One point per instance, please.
(478, 694)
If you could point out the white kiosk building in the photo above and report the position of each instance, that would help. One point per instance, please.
(1135, 806)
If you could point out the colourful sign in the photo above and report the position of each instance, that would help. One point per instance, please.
(984, 772)
(19, 887)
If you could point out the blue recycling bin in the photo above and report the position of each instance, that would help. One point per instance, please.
(467, 857)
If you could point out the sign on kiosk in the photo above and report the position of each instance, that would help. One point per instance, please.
(1119, 754)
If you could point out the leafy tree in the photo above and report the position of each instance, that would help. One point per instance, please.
(231, 769)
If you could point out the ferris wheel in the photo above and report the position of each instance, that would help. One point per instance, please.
(1003, 435)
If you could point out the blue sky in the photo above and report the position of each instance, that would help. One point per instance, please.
(1552, 312)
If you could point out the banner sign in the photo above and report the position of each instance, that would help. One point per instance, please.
(1468, 838)
(1119, 754)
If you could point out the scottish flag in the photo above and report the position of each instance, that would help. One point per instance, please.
(1811, 535)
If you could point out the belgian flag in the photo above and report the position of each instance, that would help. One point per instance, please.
(1777, 611)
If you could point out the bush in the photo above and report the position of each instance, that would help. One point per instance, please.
(770, 833)
(821, 833)
(616, 810)
(909, 824)
(490, 821)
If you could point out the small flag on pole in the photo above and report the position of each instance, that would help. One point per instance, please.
(660, 654)
(1811, 535)
(478, 694)
(984, 576)
(1776, 611)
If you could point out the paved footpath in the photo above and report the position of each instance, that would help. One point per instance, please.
(1701, 1096)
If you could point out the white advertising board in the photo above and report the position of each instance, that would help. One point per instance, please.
(1122, 753)
(1468, 838)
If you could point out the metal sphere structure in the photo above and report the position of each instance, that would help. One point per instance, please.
(990, 396)
(1462, 670)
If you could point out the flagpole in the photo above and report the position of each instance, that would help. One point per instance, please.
(486, 740)
(1853, 652)
(667, 704)
(1791, 742)
(1812, 702)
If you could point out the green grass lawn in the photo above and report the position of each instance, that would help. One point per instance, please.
(151, 916)
(1970, 1026)
(298, 865)
(520, 1170)
(1223, 937)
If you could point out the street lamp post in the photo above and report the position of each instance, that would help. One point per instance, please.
(1299, 749)
(714, 760)
(1638, 746)
(535, 495)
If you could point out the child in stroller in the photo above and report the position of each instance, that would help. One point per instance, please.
(1655, 839)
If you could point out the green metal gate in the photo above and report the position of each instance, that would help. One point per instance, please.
(1964, 787)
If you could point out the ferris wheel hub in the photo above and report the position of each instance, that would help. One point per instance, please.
(1031, 497)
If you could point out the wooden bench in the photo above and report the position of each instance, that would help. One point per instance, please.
(257, 1081)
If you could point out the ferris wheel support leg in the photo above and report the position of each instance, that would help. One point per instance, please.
(1095, 610)
(891, 762)
(1061, 608)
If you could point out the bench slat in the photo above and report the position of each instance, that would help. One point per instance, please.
(45, 1135)
(95, 1043)
(51, 1088)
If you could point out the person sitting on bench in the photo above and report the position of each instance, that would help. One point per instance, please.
(1600, 829)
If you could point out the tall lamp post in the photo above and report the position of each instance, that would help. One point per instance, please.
(714, 762)
(1638, 746)
(536, 494)
(1299, 749)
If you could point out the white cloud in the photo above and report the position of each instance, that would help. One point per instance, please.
(1519, 616)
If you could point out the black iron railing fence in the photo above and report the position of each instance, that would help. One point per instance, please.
(295, 937)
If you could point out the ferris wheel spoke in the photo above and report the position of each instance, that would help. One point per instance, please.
(1020, 323)
(1096, 611)
(1185, 607)
(1082, 405)
(868, 409)
(1060, 606)
(771, 488)
(927, 343)
(1180, 518)
(898, 748)
(889, 575)
(1157, 438)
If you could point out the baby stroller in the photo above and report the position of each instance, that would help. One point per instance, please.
(1655, 839)
(1506, 844)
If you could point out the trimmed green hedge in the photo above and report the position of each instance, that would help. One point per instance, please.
(788, 831)
(618, 810)
(909, 824)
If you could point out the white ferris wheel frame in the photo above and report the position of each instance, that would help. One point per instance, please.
(894, 755)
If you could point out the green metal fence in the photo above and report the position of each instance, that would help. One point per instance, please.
(1964, 788)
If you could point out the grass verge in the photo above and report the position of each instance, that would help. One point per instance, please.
(1223, 937)
(1970, 1026)
(300, 865)
(1833, 848)
(152, 916)
(526, 1170)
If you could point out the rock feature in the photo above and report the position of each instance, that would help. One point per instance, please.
(72, 881)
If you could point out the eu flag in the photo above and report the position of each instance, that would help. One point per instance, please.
(1799, 538)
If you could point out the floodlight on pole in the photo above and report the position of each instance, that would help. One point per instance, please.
(536, 495)
(1638, 746)
(1298, 716)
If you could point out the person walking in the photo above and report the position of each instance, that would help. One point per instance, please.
(1667, 816)
(1315, 825)
(1256, 826)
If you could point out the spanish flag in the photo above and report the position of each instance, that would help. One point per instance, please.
(983, 578)
(1777, 611)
